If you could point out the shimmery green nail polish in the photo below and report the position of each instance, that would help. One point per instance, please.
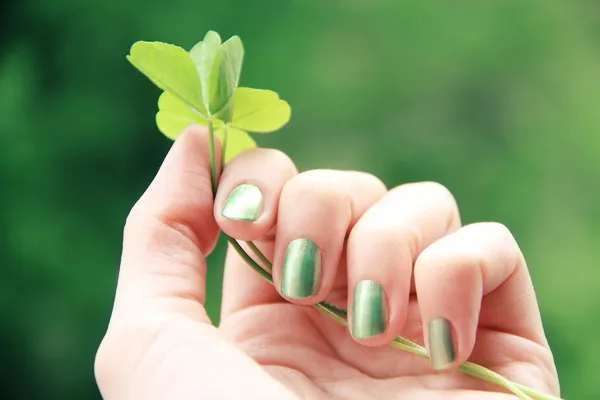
(245, 203)
(301, 273)
(441, 347)
(369, 313)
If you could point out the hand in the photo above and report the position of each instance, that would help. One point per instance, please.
(398, 259)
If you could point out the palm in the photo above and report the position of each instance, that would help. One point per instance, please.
(318, 358)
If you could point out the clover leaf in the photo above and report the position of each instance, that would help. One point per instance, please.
(203, 55)
(234, 141)
(225, 74)
(170, 68)
(259, 111)
(201, 87)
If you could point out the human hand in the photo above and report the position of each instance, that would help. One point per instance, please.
(368, 248)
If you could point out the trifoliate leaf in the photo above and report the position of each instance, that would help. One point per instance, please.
(170, 68)
(237, 141)
(203, 54)
(260, 111)
(174, 116)
(225, 74)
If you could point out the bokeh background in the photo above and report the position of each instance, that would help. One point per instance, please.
(498, 100)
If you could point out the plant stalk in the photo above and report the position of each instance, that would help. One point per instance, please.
(213, 164)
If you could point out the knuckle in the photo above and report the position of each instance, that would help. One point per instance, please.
(451, 253)
(270, 159)
(342, 183)
(428, 187)
(437, 190)
(283, 162)
(496, 229)
(502, 235)
(430, 192)
(315, 184)
(387, 236)
(494, 232)
(279, 156)
(371, 181)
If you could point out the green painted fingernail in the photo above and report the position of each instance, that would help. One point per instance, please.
(369, 313)
(301, 274)
(441, 347)
(245, 203)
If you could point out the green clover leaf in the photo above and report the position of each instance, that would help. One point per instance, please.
(201, 87)
(174, 116)
(219, 67)
(225, 75)
(234, 141)
(170, 68)
(203, 54)
(259, 111)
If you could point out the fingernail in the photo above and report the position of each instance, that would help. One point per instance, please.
(245, 203)
(369, 310)
(441, 347)
(301, 273)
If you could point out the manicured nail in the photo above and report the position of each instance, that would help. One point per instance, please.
(441, 347)
(245, 203)
(301, 274)
(369, 310)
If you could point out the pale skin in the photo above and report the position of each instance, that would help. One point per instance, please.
(160, 343)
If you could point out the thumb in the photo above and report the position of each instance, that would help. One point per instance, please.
(160, 343)
(170, 231)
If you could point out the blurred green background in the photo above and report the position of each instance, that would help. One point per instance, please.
(497, 100)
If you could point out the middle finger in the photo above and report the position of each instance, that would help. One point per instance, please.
(316, 211)
(382, 249)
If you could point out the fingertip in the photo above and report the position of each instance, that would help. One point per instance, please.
(377, 316)
(248, 195)
(300, 278)
(441, 343)
(449, 292)
(180, 194)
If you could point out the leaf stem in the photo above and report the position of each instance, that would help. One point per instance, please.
(255, 266)
(224, 147)
(213, 166)
(340, 315)
(263, 259)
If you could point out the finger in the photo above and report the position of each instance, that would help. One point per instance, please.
(170, 230)
(246, 209)
(249, 189)
(160, 343)
(381, 250)
(316, 210)
(454, 274)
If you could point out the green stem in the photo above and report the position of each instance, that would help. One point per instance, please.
(223, 146)
(492, 377)
(213, 166)
(263, 259)
(255, 266)
(340, 315)
(211, 140)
